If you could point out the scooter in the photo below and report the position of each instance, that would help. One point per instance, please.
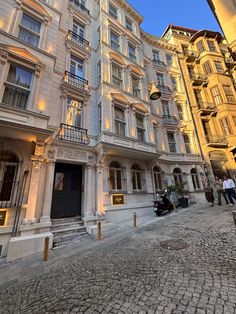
(162, 205)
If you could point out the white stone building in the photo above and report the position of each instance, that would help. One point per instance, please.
(79, 135)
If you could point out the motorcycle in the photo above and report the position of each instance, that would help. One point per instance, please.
(163, 204)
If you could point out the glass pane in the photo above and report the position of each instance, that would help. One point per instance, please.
(59, 181)
(138, 174)
(29, 37)
(19, 76)
(112, 179)
(134, 180)
(16, 97)
(7, 183)
(118, 178)
(31, 23)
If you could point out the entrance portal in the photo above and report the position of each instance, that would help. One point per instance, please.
(66, 200)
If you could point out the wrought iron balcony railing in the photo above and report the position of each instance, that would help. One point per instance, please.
(159, 63)
(164, 89)
(75, 81)
(78, 40)
(80, 7)
(73, 134)
(169, 120)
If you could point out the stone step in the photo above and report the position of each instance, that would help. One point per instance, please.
(105, 226)
(62, 240)
(59, 221)
(66, 225)
(69, 230)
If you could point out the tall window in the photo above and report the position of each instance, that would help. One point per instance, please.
(117, 75)
(207, 129)
(73, 113)
(180, 112)
(115, 41)
(156, 55)
(165, 107)
(160, 79)
(195, 179)
(187, 143)
(226, 126)
(78, 29)
(211, 45)
(216, 95)
(17, 87)
(157, 176)
(174, 83)
(177, 174)
(229, 93)
(77, 66)
(135, 86)
(136, 177)
(115, 176)
(132, 53)
(140, 127)
(29, 30)
(191, 72)
(113, 11)
(198, 97)
(128, 24)
(207, 67)
(169, 59)
(119, 116)
(171, 142)
(218, 66)
(200, 46)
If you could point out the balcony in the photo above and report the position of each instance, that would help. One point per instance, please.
(230, 63)
(216, 141)
(79, 7)
(73, 134)
(76, 82)
(198, 80)
(206, 109)
(159, 63)
(191, 56)
(170, 120)
(164, 89)
(77, 40)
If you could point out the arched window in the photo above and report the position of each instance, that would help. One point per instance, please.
(177, 173)
(157, 176)
(115, 176)
(195, 179)
(136, 177)
(8, 178)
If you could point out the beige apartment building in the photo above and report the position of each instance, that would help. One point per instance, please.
(80, 140)
(209, 71)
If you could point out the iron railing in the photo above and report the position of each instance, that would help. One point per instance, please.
(73, 134)
(75, 81)
(159, 62)
(169, 120)
(164, 89)
(78, 40)
(80, 7)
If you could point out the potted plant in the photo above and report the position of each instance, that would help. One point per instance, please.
(178, 195)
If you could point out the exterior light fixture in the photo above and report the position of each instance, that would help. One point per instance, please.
(154, 93)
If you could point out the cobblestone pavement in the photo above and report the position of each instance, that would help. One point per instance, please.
(138, 272)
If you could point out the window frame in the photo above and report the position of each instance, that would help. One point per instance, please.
(171, 144)
(157, 178)
(141, 130)
(111, 12)
(120, 79)
(228, 93)
(127, 26)
(114, 185)
(207, 67)
(119, 124)
(137, 178)
(226, 126)
(195, 179)
(115, 45)
(187, 144)
(216, 95)
(211, 45)
(28, 30)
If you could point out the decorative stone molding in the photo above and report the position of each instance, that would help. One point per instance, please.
(70, 154)
(51, 152)
(3, 57)
(39, 149)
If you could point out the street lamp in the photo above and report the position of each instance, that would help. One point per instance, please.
(154, 93)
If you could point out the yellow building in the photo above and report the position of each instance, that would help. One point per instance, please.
(208, 72)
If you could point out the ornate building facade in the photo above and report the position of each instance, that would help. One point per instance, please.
(79, 136)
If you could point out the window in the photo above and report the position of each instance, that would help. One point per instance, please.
(117, 75)
(216, 95)
(200, 46)
(211, 45)
(174, 83)
(156, 55)
(165, 107)
(135, 86)
(157, 176)
(177, 173)
(140, 127)
(207, 67)
(132, 53)
(198, 97)
(119, 117)
(226, 126)
(29, 30)
(99, 71)
(78, 29)
(187, 143)
(128, 24)
(195, 179)
(171, 141)
(136, 177)
(229, 93)
(169, 59)
(77, 66)
(115, 41)
(17, 87)
(160, 79)
(73, 112)
(180, 111)
(115, 176)
(191, 72)
(99, 118)
(113, 11)
(219, 67)
(207, 129)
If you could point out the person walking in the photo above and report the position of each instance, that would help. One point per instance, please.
(228, 186)
(209, 193)
(220, 191)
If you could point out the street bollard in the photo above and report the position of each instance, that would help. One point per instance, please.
(46, 247)
(234, 216)
(99, 231)
(135, 219)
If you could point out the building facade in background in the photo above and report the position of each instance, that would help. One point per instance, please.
(79, 136)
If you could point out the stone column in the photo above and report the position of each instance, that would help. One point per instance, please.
(189, 182)
(33, 190)
(48, 190)
(99, 188)
(89, 200)
(4, 66)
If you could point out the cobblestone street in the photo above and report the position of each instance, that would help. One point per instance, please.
(138, 272)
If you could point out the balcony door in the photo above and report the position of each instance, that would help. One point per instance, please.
(66, 200)
(77, 66)
(78, 29)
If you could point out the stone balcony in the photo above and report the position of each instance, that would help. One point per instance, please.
(198, 79)
(191, 56)
(206, 109)
(216, 141)
(169, 120)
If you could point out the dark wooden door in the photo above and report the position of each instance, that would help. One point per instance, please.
(66, 200)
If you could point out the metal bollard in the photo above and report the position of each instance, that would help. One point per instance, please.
(135, 219)
(46, 247)
(99, 231)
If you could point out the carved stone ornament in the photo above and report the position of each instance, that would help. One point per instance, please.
(51, 153)
(39, 149)
(3, 56)
(72, 154)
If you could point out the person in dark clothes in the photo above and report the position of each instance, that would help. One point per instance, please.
(220, 191)
(209, 193)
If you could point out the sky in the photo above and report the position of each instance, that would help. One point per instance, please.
(158, 14)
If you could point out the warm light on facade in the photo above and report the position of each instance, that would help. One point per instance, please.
(41, 105)
(107, 124)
